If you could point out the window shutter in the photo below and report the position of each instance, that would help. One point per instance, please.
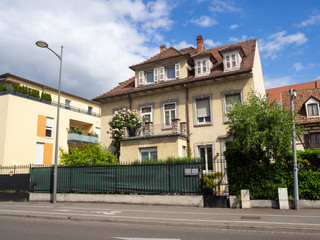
(155, 74)
(198, 68)
(306, 141)
(203, 108)
(207, 66)
(161, 70)
(177, 68)
(237, 60)
(141, 77)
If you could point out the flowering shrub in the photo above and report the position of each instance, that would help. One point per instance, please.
(118, 124)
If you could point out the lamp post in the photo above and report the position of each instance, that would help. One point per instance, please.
(295, 165)
(43, 44)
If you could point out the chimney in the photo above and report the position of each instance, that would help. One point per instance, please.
(163, 48)
(200, 43)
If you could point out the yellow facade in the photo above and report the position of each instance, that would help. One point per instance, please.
(185, 95)
(25, 133)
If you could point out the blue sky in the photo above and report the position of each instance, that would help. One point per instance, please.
(103, 38)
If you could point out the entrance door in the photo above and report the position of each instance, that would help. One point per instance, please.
(205, 153)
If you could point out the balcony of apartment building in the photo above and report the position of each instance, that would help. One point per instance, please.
(81, 133)
(150, 130)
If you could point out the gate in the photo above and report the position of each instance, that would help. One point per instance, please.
(14, 183)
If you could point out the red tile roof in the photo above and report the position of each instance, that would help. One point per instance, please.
(275, 93)
(248, 48)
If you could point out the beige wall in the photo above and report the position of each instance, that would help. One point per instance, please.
(19, 129)
(257, 72)
(166, 147)
(211, 134)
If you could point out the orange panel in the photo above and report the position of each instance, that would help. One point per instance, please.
(41, 129)
(47, 153)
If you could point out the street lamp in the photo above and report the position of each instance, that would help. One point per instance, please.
(295, 165)
(43, 44)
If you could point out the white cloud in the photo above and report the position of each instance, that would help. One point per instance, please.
(234, 26)
(221, 6)
(235, 39)
(278, 41)
(211, 44)
(204, 21)
(277, 82)
(313, 20)
(298, 66)
(100, 38)
(182, 44)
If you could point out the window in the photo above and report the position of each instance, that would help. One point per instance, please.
(149, 77)
(148, 154)
(203, 110)
(169, 112)
(146, 113)
(170, 72)
(312, 108)
(49, 127)
(184, 151)
(89, 110)
(231, 61)
(67, 104)
(206, 154)
(202, 67)
(312, 140)
(228, 99)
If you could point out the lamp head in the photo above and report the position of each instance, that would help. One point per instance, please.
(42, 44)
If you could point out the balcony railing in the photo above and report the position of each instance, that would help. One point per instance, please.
(149, 129)
(80, 138)
(74, 109)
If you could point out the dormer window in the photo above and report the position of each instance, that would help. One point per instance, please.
(312, 108)
(232, 58)
(170, 72)
(202, 67)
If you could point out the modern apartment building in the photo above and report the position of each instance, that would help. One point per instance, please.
(28, 121)
(184, 95)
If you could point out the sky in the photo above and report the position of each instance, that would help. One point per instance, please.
(102, 38)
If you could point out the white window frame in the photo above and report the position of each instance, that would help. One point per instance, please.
(202, 67)
(312, 101)
(49, 127)
(173, 67)
(224, 101)
(146, 77)
(198, 154)
(164, 113)
(227, 58)
(67, 104)
(161, 73)
(143, 114)
(141, 77)
(195, 110)
(147, 150)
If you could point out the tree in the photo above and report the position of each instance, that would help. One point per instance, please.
(124, 119)
(92, 154)
(260, 130)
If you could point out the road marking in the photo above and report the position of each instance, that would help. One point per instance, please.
(106, 212)
(164, 219)
(126, 238)
(173, 212)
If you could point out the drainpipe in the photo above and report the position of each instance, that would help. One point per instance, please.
(187, 120)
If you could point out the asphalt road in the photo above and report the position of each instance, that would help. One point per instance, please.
(305, 221)
(16, 228)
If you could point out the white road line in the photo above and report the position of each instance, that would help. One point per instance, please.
(164, 219)
(128, 238)
(172, 212)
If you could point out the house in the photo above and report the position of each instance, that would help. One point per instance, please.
(28, 121)
(184, 95)
(306, 106)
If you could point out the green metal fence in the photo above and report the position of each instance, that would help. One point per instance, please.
(140, 179)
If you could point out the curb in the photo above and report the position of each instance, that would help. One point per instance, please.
(222, 226)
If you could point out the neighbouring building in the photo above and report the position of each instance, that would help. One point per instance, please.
(184, 95)
(28, 121)
(306, 106)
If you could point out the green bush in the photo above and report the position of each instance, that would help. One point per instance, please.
(210, 181)
(46, 96)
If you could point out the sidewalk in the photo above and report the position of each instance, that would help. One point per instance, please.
(304, 220)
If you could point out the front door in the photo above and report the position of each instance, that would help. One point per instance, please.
(205, 153)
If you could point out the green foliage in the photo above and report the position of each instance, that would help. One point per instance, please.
(46, 96)
(263, 179)
(3, 87)
(33, 92)
(210, 181)
(118, 124)
(260, 130)
(93, 154)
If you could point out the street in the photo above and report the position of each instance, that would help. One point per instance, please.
(14, 228)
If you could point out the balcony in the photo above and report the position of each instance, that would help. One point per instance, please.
(75, 138)
(150, 130)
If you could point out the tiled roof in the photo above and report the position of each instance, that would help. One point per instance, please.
(248, 48)
(275, 93)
